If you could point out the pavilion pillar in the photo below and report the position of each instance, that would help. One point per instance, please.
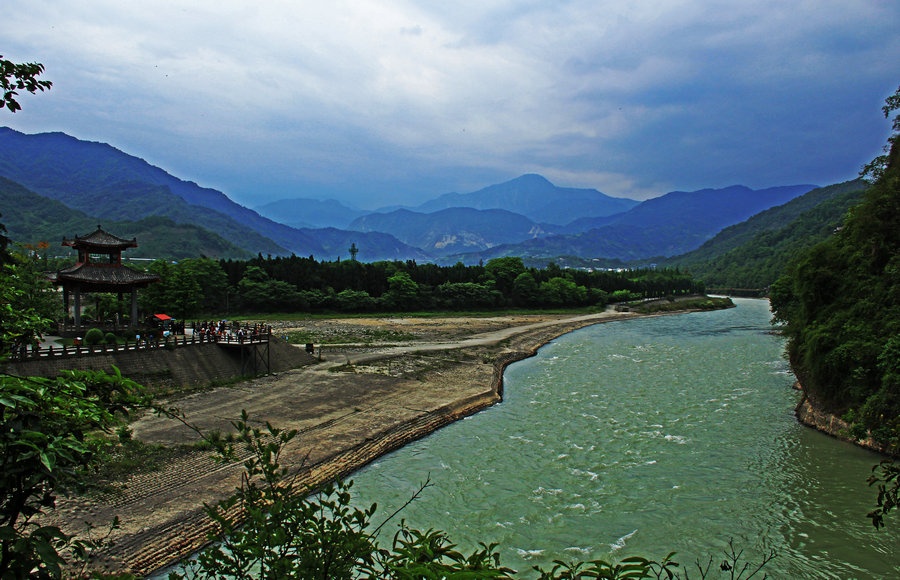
(77, 307)
(134, 315)
(65, 306)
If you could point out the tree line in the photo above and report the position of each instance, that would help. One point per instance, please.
(295, 284)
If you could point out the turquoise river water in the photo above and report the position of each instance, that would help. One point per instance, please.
(642, 437)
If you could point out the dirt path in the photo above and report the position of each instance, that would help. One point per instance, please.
(358, 403)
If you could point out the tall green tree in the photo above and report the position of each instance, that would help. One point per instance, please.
(403, 292)
(504, 272)
(211, 283)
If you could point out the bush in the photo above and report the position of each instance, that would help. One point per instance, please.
(93, 337)
(111, 338)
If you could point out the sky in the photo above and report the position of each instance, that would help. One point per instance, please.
(378, 103)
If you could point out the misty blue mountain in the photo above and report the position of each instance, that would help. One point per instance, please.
(527, 216)
(536, 198)
(107, 183)
(669, 225)
(453, 230)
(310, 213)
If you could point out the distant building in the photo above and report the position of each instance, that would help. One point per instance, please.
(99, 269)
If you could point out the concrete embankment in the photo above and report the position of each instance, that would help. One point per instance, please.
(191, 364)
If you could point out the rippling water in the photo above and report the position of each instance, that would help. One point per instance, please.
(642, 437)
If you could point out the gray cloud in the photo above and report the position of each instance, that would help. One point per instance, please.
(386, 102)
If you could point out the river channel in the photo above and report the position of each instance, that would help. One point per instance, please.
(644, 437)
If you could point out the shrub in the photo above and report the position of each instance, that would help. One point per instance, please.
(110, 338)
(93, 337)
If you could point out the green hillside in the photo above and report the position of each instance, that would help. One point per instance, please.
(753, 254)
(840, 305)
(31, 219)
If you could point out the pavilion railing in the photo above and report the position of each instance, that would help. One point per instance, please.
(143, 344)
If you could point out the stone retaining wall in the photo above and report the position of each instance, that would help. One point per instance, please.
(188, 365)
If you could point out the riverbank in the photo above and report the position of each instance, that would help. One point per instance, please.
(810, 415)
(358, 403)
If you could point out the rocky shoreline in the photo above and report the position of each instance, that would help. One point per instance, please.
(810, 415)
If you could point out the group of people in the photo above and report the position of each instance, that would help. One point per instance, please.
(223, 330)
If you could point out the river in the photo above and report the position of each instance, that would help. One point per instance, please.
(643, 437)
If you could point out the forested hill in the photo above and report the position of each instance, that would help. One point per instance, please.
(35, 220)
(840, 305)
(754, 253)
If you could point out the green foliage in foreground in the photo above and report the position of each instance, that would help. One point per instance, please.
(15, 77)
(51, 431)
(886, 478)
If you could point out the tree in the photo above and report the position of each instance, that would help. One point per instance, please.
(559, 291)
(50, 429)
(874, 170)
(258, 292)
(211, 281)
(504, 272)
(461, 295)
(184, 293)
(525, 291)
(402, 292)
(50, 432)
(18, 77)
(4, 243)
(155, 297)
(886, 477)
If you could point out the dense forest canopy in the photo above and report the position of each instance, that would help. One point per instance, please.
(199, 286)
(839, 304)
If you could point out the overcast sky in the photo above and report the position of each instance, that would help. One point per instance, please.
(395, 102)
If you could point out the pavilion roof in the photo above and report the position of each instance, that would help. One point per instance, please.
(104, 277)
(100, 239)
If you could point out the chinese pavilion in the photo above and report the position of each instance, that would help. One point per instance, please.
(99, 269)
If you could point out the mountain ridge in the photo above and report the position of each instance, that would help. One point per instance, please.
(107, 183)
(87, 175)
(535, 197)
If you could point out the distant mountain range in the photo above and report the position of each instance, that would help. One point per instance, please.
(527, 216)
(452, 231)
(310, 213)
(535, 198)
(107, 183)
(669, 225)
